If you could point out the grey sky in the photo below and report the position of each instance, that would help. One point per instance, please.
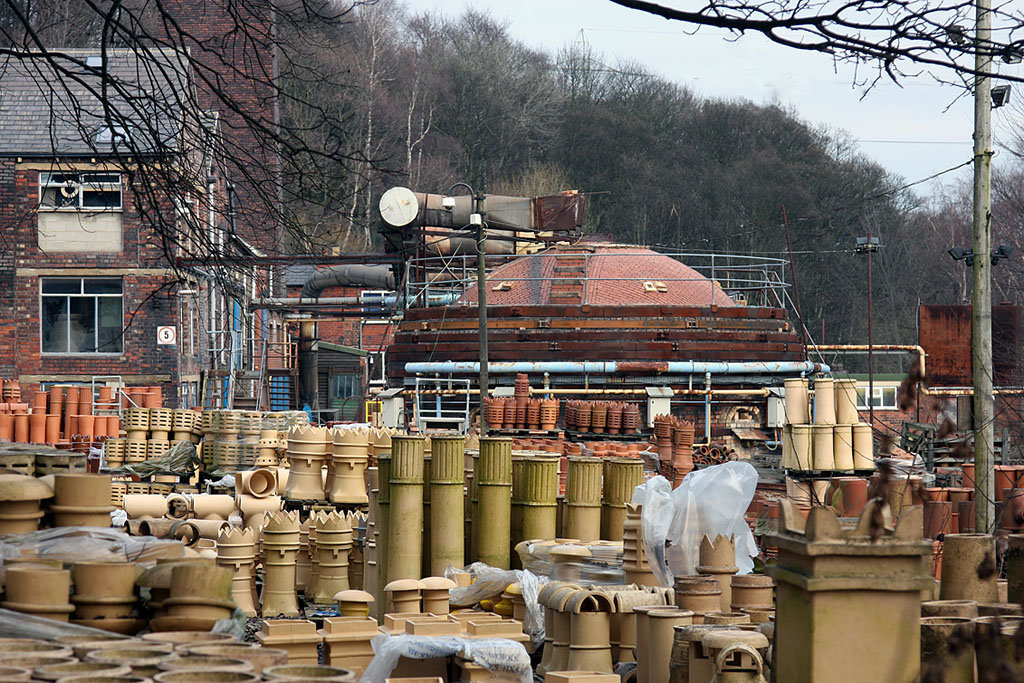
(915, 130)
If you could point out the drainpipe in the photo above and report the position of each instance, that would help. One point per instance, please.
(707, 407)
(307, 365)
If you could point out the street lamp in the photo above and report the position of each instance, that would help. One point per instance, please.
(477, 219)
(868, 245)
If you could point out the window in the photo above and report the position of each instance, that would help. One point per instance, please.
(345, 394)
(885, 398)
(81, 315)
(80, 191)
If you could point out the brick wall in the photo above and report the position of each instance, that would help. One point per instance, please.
(231, 43)
(150, 294)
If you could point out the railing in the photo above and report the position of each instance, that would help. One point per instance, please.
(750, 280)
(442, 402)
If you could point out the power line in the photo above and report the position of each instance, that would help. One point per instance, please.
(912, 142)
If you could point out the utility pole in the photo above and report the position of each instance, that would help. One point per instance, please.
(984, 405)
(481, 284)
(868, 245)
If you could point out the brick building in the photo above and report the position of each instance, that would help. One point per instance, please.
(87, 286)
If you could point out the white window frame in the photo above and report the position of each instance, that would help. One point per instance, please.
(886, 396)
(83, 183)
(81, 295)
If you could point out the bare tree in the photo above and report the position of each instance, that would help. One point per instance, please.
(199, 120)
(894, 36)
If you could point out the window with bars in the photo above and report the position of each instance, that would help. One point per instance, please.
(81, 315)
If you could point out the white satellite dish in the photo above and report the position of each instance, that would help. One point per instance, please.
(398, 206)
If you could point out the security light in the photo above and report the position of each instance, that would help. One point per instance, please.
(956, 34)
(1002, 252)
(867, 244)
(1000, 96)
(962, 254)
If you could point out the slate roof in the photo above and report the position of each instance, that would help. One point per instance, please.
(51, 103)
(296, 275)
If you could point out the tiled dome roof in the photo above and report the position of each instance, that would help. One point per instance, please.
(599, 275)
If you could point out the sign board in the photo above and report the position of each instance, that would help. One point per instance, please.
(166, 334)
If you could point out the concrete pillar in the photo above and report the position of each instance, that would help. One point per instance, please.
(447, 500)
(494, 492)
(384, 506)
(848, 601)
(621, 476)
(405, 525)
(540, 497)
(371, 576)
(583, 499)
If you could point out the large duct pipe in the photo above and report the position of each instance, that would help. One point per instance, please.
(400, 207)
(352, 275)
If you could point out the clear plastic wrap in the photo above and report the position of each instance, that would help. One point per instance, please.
(603, 567)
(506, 659)
(233, 625)
(710, 501)
(95, 544)
(491, 582)
(21, 625)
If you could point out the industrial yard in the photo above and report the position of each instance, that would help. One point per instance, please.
(377, 342)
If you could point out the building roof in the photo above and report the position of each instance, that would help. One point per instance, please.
(296, 276)
(599, 275)
(52, 103)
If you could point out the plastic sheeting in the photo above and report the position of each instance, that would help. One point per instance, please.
(180, 459)
(710, 501)
(89, 544)
(602, 568)
(491, 582)
(505, 658)
(21, 625)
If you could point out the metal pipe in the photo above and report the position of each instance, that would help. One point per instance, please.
(969, 391)
(921, 355)
(364, 299)
(613, 367)
(585, 391)
(876, 348)
(308, 370)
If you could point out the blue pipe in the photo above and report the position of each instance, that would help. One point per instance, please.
(613, 367)
(392, 300)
